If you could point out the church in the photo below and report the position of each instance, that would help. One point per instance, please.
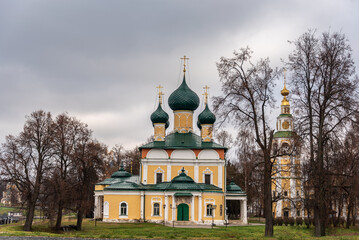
(182, 175)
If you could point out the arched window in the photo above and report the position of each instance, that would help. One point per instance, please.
(156, 209)
(106, 209)
(123, 209)
(209, 210)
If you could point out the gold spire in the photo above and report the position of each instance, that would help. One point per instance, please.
(160, 93)
(184, 63)
(205, 94)
(285, 91)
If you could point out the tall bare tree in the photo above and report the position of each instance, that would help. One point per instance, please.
(323, 80)
(26, 159)
(246, 101)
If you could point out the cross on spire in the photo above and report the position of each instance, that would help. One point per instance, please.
(160, 93)
(284, 71)
(184, 62)
(205, 94)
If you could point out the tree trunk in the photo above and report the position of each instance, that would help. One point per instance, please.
(268, 197)
(29, 217)
(348, 215)
(59, 216)
(79, 220)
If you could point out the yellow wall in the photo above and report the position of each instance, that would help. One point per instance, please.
(218, 198)
(151, 173)
(176, 169)
(149, 206)
(214, 169)
(100, 187)
(133, 206)
(183, 121)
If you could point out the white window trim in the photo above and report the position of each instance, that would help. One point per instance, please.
(207, 171)
(159, 170)
(153, 201)
(106, 209)
(119, 210)
(209, 201)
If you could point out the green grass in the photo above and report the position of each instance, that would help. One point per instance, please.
(153, 231)
(5, 210)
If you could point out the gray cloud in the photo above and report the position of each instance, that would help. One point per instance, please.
(100, 61)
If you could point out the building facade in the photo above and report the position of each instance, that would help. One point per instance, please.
(182, 175)
(286, 178)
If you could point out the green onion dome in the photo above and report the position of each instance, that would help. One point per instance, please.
(206, 116)
(199, 124)
(167, 124)
(183, 98)
(159, 116)
(182, 178)
(121, 173)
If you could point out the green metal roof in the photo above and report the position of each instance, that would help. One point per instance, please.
(124, 186)
(159, 116)
(183, 141)
(234, 188)
(206, 116)
(285, 115)
(183, 98)
(284, 134)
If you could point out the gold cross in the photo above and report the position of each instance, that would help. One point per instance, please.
(184, 62)
(205, 94)
(160, 93)
(284, 71)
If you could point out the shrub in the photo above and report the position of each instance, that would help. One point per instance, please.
(299, 221)
(291, 221)
(307, 222)
(275, 221)
(280, 221)
(286, 221)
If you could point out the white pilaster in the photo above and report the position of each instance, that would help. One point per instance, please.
(173, 208)
(96, 207)
(169, 172)
(192, 209)
(166, 208)
(196, 172)
(142, 203)
(220, 175)
(145, 173)
(200, 208)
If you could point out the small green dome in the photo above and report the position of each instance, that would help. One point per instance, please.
(206, 116)
(159, 116)
(183, 98)
(121, 173)
(182, 178)
(233, 187)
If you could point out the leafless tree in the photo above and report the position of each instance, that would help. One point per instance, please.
(246, 100)
(323, 80)
(26, 158)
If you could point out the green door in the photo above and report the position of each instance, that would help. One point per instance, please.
(182, 212)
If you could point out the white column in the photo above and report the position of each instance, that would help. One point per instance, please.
(200, 208)
(169, 177)
(96, 207)
(173, 208)
(142, 202)
(192, 209)
(166, 208)
(220, 175)
(244, 211)
(196, 172)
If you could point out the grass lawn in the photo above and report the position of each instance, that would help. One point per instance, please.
(149, 230)
(5, 210)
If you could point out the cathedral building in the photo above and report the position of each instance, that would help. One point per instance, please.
(182, 175)
(286, 178)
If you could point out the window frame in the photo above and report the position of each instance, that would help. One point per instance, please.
(155, 208)
(121, 207)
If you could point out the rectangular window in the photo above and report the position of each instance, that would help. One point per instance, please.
(207, 178)
(298, 213)
(123, 209)
(156, 209)
(285, 193)
(209, 210)
(221, 210)
(158, 177)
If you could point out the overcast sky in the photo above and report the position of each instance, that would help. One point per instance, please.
(101, 61)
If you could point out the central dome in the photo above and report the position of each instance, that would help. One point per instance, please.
(183, 98)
